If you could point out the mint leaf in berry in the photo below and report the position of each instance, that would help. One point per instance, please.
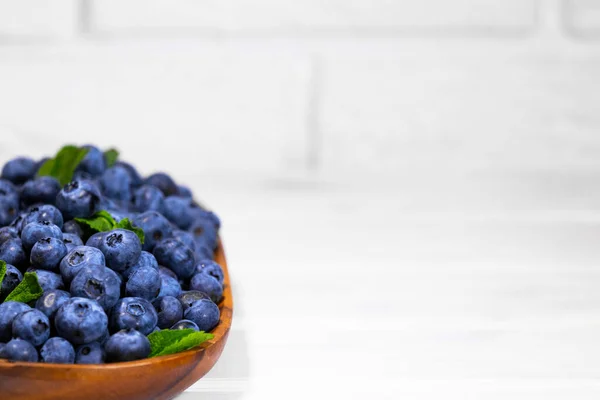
(101, 221)
(111, 156)
(169, 341)
(63, 165)
(28, 290)
(125, 223)
(2, 271)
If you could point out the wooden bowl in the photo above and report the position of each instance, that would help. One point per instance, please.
(153, 378)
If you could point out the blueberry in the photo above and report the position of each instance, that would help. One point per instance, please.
(57, 350)
(73, 227)
(104, 337)
(169, 311)
(177, 210)
(144, 282)
(78, 199)
(127, 345)
(96, 240)
(40, 190)
(79, 257)
(204, 232)
(9, 208)
(146, 260)
(91, 353)
(186, 237)
(204, 313)
(7, 233)
(20, 350)
(47, 253)
(98, 283)
(19, 170)
(41, 162)
(45, 212)
(211, 268)
(8, 311)
(199, 212)
(33, 326)
(185, 324)
(176, 256)
(81, 320)
(35, 231)
(207, 284)
(71, 241)
(163, 182)
(184, 191)
(203, 252)
(135, 313)
(121, 248)
(169, 285)
(188, 298)
(11, 279)
(48, 280)
(7, 188)
(116, 183)
(148, 198)
(13, 253)
(155, 226)
(93, 163)
(136, 179)
(51, 301)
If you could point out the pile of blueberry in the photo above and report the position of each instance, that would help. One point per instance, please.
(103, 292)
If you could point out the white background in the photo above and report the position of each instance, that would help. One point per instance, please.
(410, 190)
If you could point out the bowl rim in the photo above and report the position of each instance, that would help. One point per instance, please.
(220, 333)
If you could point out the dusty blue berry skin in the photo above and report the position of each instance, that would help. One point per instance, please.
(81, 320)
(96, 240)
(40, 190)
(127, 345)
(115, 183)
(19, 170)
(211, 268)
(186, 237)
(12, 278)
(207, 284)
(144, 282)
(169, 285)
(45, 212)
(177, 210)
(135, 313)
(93, 164)
(78, 258)
(8, 311)
(35, 231)
(13, 253)
(78, 199)
(204, 232)
(73, 227)
(47, 253)
(155, 226)
(169, 311)
(71, 241)
(121, 249)
(136, 179)
(188, 298)
(164, 182)
(7, 233)
(48, 280)
(185, 324)
(176, 256)
(91, 353)
(57, 350)
(9, 208)
(184, 191)
(8, 188)
(33, 326)
(148, 198)
(98, 283)
(51, 301)
(204, 313)
(146, 260)
(20, 350)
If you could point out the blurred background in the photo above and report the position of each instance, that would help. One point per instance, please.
(410, 189)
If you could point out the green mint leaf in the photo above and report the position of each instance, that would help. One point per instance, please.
(111, 156)
(125, 223)
(169, 341)
(28, 290)
(63, 165)
(101, 221)
(2, 271)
